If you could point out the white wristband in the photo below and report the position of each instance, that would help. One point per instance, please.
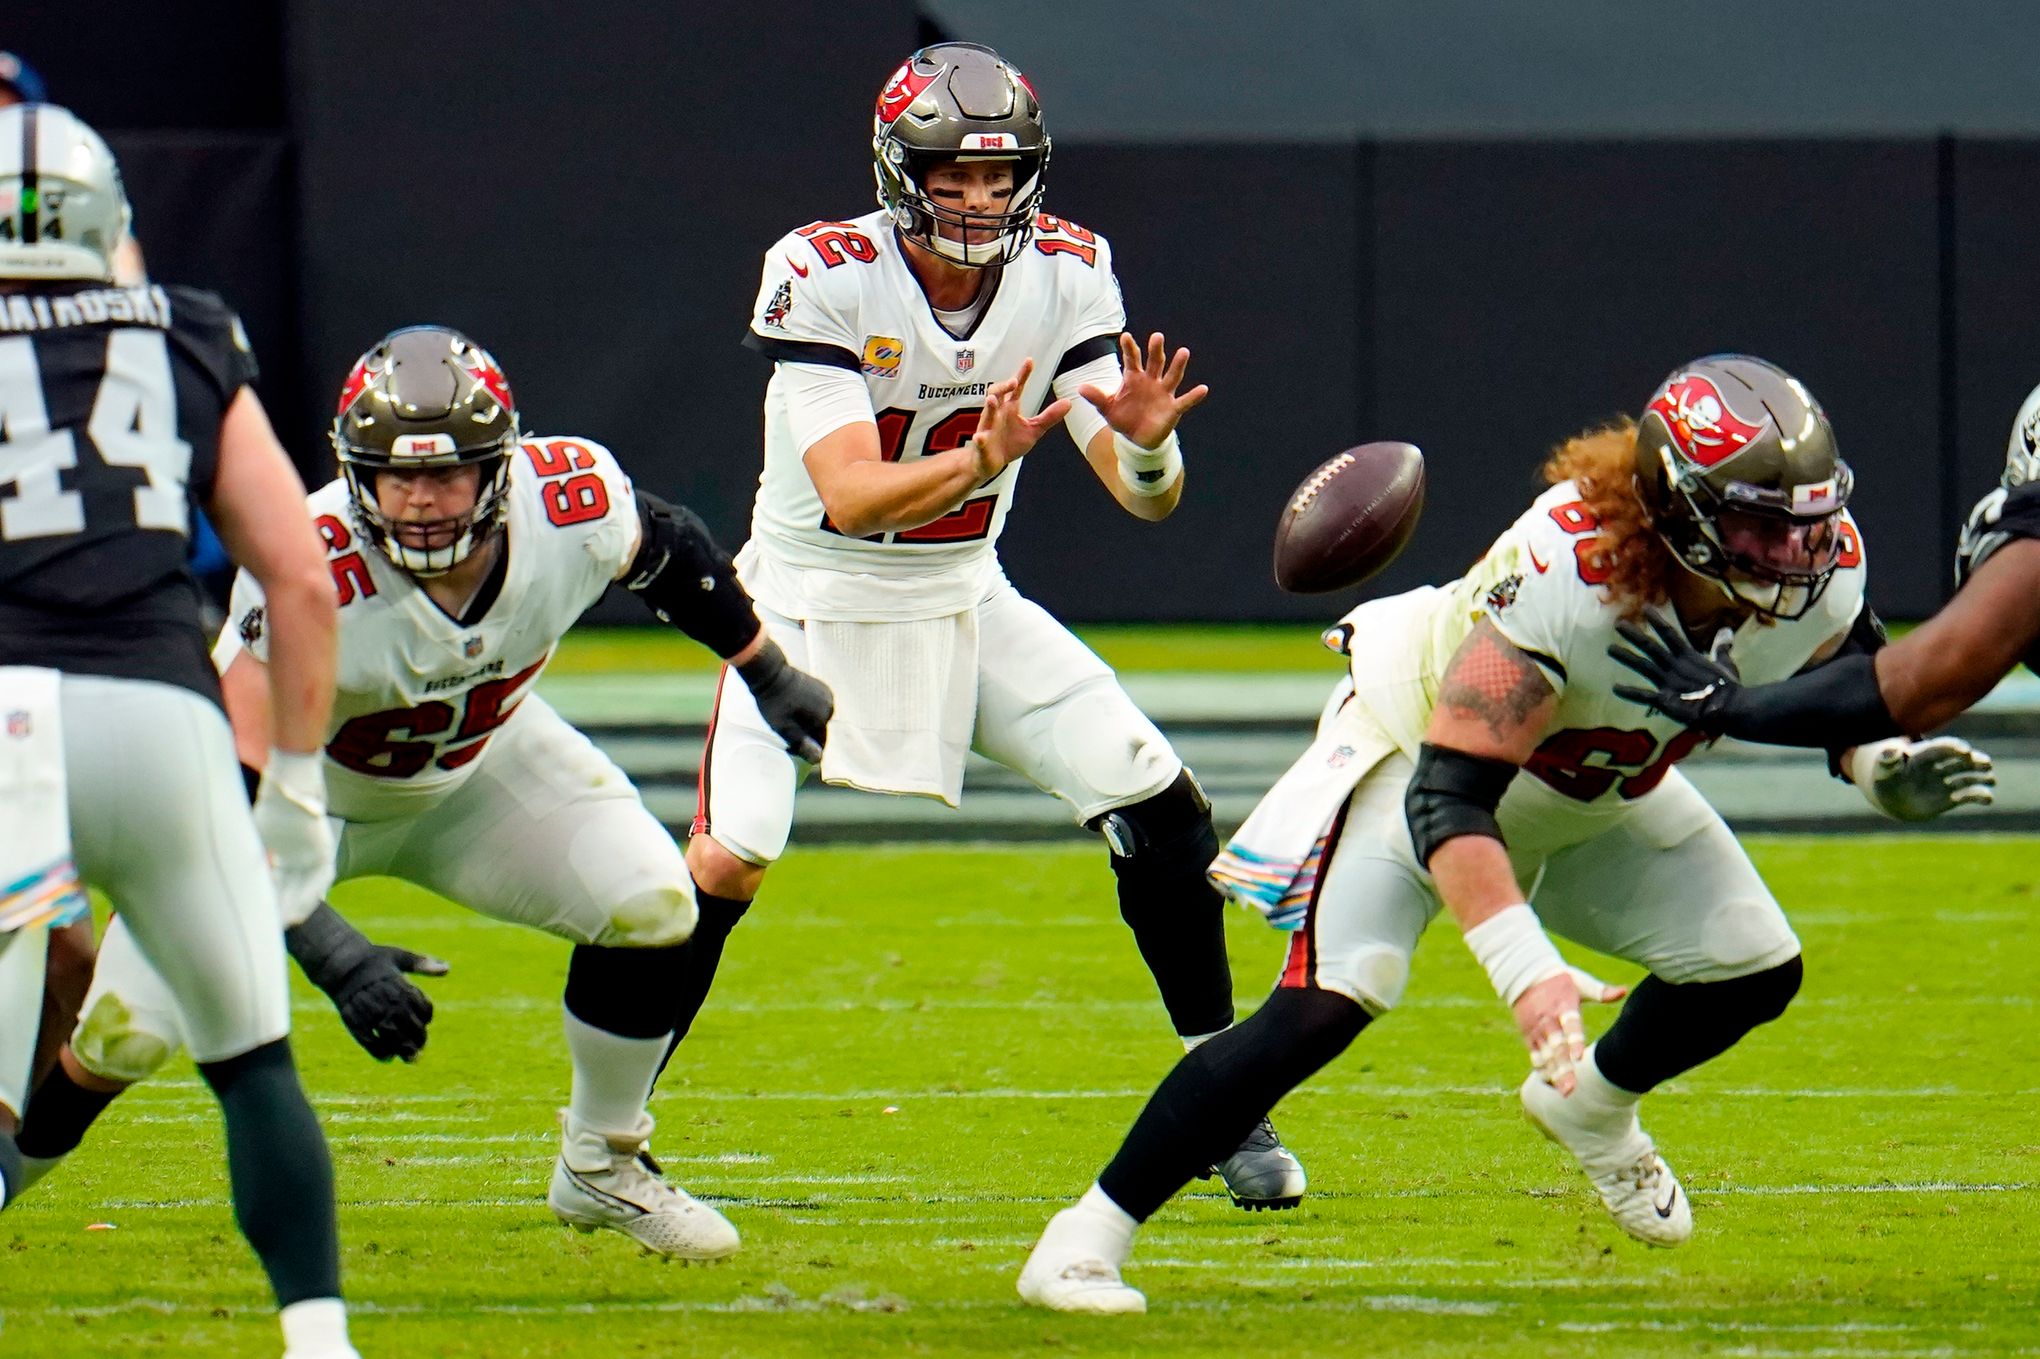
(299, 777)
(1514, 949)
(1148, 472)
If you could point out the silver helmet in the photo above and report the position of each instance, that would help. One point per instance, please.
(63, 212)
(2022, 451)
(958, 101)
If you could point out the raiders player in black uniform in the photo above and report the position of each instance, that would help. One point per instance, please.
(1916, 684)
(125, 408)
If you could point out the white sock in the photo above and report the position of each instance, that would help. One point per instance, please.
(1598, 1089)
(316, 1326)
(1195, 1041)
(612, 1075)
(1115, 1226)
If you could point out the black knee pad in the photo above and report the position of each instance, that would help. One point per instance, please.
(625, 991)
(1167, 836)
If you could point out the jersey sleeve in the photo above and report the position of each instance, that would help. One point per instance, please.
(584, 491)
(1093, 352)
(821, 400)
(210, 331)
(2003, 515)
(1535, 586)
(805, 311)
(247, 625)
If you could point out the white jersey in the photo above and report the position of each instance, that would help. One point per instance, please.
(419, 692)
(840, 294)
(1539, 586)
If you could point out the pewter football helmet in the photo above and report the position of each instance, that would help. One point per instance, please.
(62, 209)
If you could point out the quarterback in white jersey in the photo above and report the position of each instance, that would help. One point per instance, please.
(462, 551)
(909, 346)
(1477, 757)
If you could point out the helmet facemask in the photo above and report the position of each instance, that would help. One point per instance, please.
(902, 188)
(1773, 550)
(464, 533)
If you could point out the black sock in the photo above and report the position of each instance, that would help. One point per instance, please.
(10, 1170)
(59, 1113)
(1206, 1106)
(719, 915)
(281, 1172)
(1176, 915)
(625, 991)
(1666, 1029)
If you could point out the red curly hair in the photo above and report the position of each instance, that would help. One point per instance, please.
(1602, 462)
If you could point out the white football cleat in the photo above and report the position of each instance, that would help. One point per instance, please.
(1636, 1186)
(609, 1180)
(1072, 1269)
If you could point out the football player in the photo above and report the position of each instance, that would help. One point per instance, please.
(1476, 757)
(462, 550)
(918, 353)
(1917, 683)
(125, 408)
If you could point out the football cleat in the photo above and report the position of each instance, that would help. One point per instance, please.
(1636, 1186)
(609, 1180)
(1262, 1173)
(1074, 1269)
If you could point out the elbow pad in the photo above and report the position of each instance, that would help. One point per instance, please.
(686, 578)
(1452, 794)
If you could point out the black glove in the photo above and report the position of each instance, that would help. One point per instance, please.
(1691, 687)
(795, 704)
(386, 1014)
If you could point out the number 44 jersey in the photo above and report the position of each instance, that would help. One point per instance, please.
(420, 692)
(840, 295)
(1540, 584)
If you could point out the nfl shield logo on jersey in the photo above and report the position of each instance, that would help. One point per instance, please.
(19, 723)
(966, 359)
(472, 647)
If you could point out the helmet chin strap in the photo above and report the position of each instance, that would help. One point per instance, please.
(967, 253)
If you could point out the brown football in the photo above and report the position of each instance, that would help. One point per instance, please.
(1349, 518)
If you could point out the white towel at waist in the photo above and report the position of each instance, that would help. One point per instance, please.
(38, 881)
(906, 702)
(1273, 863)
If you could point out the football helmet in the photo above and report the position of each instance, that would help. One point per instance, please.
(1737, 465)
(62, 209)
(2022, 450)
(426, 396)
(958, 101)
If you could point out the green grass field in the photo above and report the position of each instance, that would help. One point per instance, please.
(916, 1055)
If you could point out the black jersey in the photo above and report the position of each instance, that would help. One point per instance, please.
(2006, 513)
(110, 408)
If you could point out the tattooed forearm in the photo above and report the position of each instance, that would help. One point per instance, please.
(1491, 681)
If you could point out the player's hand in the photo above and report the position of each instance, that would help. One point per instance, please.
(290, 818)
(1920, 780)
(382, 1009)
(1146, 408)
(1549, 1016)
(795, 704)
(1005, 433)
(1692, 688)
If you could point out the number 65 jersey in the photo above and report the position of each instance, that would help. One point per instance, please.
(840, 296)
(1540, 584)
(420, 692)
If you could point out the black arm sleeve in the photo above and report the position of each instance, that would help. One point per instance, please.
(1832, 707)
(685, 578)
(1866, 638)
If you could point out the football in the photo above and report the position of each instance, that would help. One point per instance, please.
(1350, 518)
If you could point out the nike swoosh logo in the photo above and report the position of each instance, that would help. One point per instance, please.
(1671, 1201)
(1542, 567)
(796, 268)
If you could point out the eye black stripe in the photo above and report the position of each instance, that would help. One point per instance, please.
(31, 221)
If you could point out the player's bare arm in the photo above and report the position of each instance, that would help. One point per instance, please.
(257, 508)
(1494, 705)
(1942, 667)
(1137, 447)
(864, 494)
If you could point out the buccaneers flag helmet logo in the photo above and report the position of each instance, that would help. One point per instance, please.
(1699, 417)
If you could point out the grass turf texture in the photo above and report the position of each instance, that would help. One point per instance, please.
(1228, 647)
(916, 1055)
